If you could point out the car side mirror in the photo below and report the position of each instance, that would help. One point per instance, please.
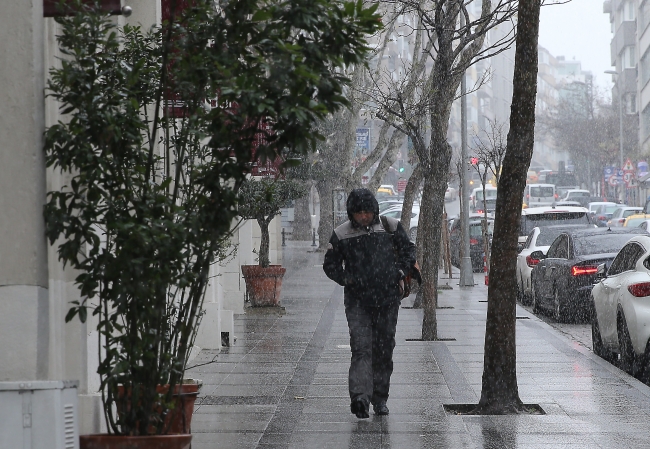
(601, 272)
(520, 247)
(537, 255)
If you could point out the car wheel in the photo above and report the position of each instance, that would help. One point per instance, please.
(626, 358)
(535, 301)
(597, 342)
(559, 308)
(413, 234)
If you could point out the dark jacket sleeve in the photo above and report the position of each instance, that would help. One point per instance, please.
(405, 250)
(333, 263)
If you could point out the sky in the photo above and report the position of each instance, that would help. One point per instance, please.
(579, 30)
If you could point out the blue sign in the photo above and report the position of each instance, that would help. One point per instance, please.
(363, 141)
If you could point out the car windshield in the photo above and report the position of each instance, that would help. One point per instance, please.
(544, 192)
(387, 205)
(475, 229)
(489, 193)
(600, 243)
(609, 208)
(528, 222)
(546, 236)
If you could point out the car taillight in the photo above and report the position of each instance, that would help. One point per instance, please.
(473, 242)
(556, 196)
(602, 217)
(639, 290)
(527, 196)
(531, 262)
(479, 211)
(580, 270)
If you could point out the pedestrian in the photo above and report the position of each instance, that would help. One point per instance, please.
(371, 263)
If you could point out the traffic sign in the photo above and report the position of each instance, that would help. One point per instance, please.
(627, 178)
(401, 185)
(613, 181)
(628, 165)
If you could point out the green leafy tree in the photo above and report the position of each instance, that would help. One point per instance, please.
(262, 200)
(156, 142)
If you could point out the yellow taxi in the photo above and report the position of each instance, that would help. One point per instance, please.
(635, 220)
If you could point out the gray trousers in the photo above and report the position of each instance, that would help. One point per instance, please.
(372, 340)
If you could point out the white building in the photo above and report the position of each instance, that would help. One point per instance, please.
(35, 290)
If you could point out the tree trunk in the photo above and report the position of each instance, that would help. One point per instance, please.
(301, 220)
(500, 393)
(409, 196)
(263, 254)
(325, 226)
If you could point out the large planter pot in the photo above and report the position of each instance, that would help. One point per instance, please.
(263, 285)
(103, 441)
(179, 419)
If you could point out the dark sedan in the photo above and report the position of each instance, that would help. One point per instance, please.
(476, 247)
(563, 279)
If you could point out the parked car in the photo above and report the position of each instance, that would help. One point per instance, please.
(539, 239)
(550, 216)
(563, 278)
(536, 195)
(451, 194)
(476, 247)
(621, 213)
(396, 212)
(620, 322)
(389, 204)
(645, 225)
(633, 221)
(581, 196)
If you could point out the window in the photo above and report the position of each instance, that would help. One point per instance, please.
(645, 122)
(626, 259)
(560, 248)
(629, 12)
(629, 102)
(644, 17)
(628, 57)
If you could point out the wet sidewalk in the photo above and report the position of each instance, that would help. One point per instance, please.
(284, 383)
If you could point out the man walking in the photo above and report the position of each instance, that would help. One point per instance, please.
(370, 258)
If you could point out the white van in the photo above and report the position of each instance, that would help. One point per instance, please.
(476, 198)
(536, 195)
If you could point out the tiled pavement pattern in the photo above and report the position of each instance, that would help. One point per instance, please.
(284, 383)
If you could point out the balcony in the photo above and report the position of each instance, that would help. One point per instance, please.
(625, 36)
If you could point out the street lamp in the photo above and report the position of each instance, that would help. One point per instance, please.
(620, 115)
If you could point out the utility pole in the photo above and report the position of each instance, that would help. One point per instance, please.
(466, 273)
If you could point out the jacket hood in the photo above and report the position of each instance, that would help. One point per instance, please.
(359, 200)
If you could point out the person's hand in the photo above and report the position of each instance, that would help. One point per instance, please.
(401, 287)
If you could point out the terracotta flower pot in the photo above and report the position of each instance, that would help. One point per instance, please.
(263, 285)
(179, 419)
(103, 441)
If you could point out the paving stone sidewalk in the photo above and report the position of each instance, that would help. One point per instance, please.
(284, 383)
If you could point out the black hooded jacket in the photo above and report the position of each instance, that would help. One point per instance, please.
(369, 262)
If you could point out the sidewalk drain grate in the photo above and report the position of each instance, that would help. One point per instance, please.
(443, 307)
(467, 409)
(439, 339)
(523, 318)
(239, 400)
(483, 300)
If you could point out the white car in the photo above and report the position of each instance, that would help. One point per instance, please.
(451, 194)
(396, 212)
(620, 322)
(539, 239)
(620, 214)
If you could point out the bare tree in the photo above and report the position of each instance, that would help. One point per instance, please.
(500, 393)
(489, 150)
(457, 37)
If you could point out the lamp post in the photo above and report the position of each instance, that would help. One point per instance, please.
(620, 117)
(466, 272)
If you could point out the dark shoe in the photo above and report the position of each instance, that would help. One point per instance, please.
(380, 409)
(359, 409)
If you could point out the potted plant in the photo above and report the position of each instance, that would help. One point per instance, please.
(261, 200)
(155, 142)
